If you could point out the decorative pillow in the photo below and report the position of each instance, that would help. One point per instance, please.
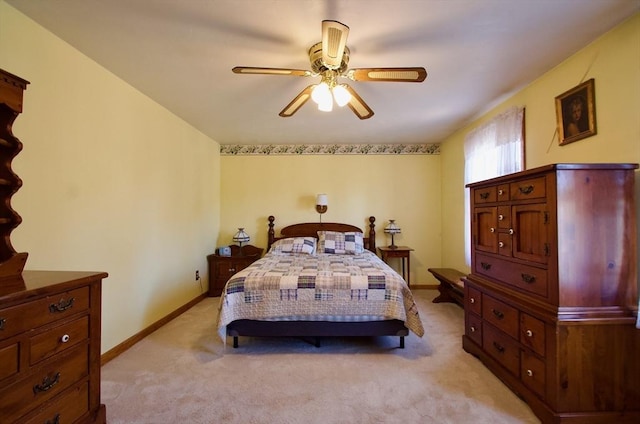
(305, 245)
(349, 243)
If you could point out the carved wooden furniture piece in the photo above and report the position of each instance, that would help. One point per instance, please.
(50, 349)
(11, 93)
(451, 285)
(551, 301)
(221, 268)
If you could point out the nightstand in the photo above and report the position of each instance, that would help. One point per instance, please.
(401, 252)
(221, 268)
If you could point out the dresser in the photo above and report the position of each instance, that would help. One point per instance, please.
(551, 300)
(221, 268)
(50, 348)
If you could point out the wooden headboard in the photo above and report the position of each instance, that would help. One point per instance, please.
(310, 229)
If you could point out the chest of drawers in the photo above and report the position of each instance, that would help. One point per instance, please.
(50, 348)
(551, 300)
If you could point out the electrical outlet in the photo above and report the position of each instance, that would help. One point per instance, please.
(197, 275)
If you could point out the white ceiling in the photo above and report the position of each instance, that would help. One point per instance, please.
(180, 53)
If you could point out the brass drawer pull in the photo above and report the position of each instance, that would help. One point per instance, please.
(61, 306)
(485, 195)
(526, 190)
(498, 314)
(527, 278)
(498, 347)
(47, 383)
(3, 321)
(485, 265)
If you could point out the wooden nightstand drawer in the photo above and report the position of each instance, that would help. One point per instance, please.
(66, 409)
(502, 348)
(58, 339)
(44, 311)
(501, 315)
(43, 384)
(9, 360)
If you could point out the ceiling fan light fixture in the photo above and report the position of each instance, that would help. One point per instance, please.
(326, 105)
(321, 93)
(341, 95)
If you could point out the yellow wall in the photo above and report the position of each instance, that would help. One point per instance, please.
(112, 181)
(401, 187)
(614, 62)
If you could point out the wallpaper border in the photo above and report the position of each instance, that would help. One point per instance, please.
(329, 149)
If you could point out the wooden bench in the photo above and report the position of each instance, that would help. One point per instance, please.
(451, 286)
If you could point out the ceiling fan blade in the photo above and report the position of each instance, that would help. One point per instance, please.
(387, 74)
(271, 71)
(334, 40)
(357, 105)
(297, 103)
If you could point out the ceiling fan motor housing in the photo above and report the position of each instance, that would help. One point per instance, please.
(317, 64)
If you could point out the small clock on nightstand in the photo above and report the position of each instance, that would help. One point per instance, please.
(221, 268)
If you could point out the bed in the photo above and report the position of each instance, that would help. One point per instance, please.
(318, 280)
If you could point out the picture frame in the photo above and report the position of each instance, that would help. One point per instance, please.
(576, 113)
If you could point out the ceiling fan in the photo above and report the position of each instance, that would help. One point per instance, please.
(329, 59)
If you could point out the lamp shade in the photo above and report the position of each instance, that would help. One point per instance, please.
(322, 200)
(241, 236)
(392, 228)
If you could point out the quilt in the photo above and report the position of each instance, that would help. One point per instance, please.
(318, 287)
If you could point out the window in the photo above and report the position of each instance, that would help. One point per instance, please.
(491, 150)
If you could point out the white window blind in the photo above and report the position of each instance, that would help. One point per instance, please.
(495, 148)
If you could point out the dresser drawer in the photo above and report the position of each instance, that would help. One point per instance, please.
(532, 333)
(473, 328)
(9, 360)
(34, 314)
(502, 348)
(534, 188)
(501, 315)
(485, 195)
(45, 383)
(65, 409)
(528, 278)
(58, 339)
(532, 372)
(473, 300)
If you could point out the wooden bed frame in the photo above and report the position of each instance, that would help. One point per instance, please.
(317, 329)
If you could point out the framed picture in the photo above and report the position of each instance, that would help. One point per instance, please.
(576, 113)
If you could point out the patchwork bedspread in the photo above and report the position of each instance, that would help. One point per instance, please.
(320, 287)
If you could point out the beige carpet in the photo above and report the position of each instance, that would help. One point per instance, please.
(183, 373)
